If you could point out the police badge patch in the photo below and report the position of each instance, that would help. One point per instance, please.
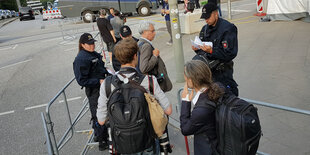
(225, 44)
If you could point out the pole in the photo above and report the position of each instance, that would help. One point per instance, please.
(18, 4)
(177, 40)
(229, 9)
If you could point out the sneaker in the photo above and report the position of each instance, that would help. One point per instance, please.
(103, 145)
(169, 43)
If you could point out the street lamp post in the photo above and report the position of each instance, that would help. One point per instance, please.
(177, 40)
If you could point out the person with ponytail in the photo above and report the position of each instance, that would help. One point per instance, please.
(90, 72)
(200, 122)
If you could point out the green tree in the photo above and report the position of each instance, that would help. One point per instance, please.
(11, 4)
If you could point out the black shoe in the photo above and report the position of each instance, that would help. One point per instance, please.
(103, 145)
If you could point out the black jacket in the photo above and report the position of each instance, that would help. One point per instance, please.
(225, 48)
(89, 68)
(201, 123)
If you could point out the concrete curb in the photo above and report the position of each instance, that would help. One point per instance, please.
(7, 22)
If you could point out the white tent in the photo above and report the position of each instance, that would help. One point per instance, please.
(288, 9)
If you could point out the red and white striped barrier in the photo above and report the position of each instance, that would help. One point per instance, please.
(51, 14)
(259, 8)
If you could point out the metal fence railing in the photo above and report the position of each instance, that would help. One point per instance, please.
(260, 103)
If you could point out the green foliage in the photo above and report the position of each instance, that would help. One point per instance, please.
(203, 3)
(11, 4)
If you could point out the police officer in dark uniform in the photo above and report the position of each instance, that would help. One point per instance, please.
(90, 72)
(223, 35)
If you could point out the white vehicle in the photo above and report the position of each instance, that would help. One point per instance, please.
(8, 13)
(2, 14)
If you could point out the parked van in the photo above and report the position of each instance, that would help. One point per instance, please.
(88, 9)
(2, 14)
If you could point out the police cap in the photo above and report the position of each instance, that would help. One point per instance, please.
(87, 38)
(207, 10)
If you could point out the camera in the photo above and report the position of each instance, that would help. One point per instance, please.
(164, 143)
(163, 14)
(160, 78)
(213, 64)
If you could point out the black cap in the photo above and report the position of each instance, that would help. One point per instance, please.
(207, 10)
(125, 31)
(87, 38)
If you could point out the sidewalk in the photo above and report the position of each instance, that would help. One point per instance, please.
(7, 21)
(272, 66)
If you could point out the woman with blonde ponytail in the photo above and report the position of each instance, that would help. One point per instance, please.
(200, 122)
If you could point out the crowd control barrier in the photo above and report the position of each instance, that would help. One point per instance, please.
(259, 103)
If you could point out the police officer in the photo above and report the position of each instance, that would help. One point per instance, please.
(223, 35)
(90, 72)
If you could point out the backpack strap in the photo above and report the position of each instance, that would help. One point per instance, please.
(151, 84)
(138, 53)
(108, 82)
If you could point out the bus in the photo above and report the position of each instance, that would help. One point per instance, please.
(88, 9)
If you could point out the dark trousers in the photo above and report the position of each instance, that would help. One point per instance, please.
(100, 131)
(197, 4)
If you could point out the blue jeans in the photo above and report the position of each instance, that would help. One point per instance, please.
(148, 151)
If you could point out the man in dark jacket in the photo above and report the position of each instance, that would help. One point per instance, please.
(223, 35)
(125, 32)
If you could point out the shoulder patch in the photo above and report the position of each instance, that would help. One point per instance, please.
(225, 44)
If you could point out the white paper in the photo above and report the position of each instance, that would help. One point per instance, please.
(198, 43)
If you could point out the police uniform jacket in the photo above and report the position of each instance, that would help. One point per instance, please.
(89, 69)
(201, 123)
(225, 48)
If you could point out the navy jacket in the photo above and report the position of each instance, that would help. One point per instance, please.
(89, 68)
(225, 48)
(201, 123)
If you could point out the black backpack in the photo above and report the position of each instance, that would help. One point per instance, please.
(237, 126)
(128, 113)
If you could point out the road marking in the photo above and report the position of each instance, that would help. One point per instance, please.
(14, 46)
(50, 40)
(71, 99)
(15, 64)
(44, 105)
(250, 21)
(70, 49)
(158, 21)
(236, 10)
(8, 48)
(37, 106)
(8, 112)
(241, 18)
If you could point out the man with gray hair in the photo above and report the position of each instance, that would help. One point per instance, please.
(149, 61)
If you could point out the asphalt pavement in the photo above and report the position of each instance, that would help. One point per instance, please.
(36, 62)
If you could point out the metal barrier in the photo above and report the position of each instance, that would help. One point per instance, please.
(53, 146)
(260, 103)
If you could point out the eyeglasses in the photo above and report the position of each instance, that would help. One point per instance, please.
(152, 30)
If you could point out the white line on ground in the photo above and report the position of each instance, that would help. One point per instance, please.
(43, 105)
(14, 46)
(15, 64)
(70, 49)
(8, 48)
(37, 106)
(233, 10)
(51, 39)
(71, 99)
(8, 112)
